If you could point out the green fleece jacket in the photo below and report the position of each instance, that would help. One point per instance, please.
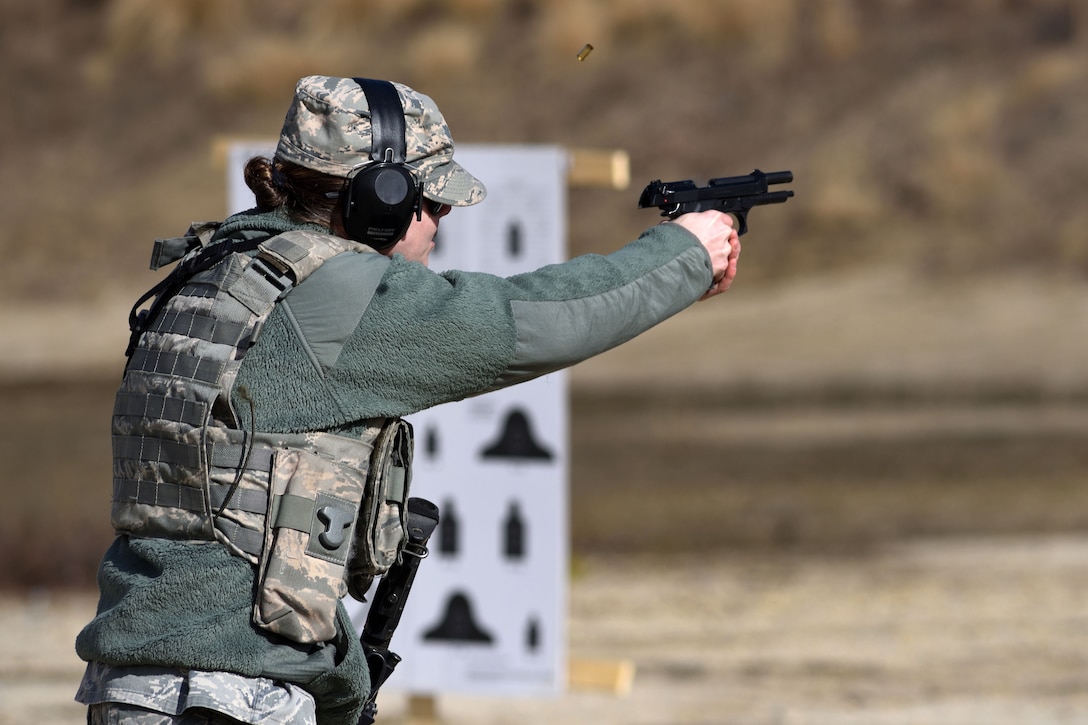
(330, 356)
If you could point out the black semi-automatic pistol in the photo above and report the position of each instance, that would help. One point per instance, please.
(734, 195)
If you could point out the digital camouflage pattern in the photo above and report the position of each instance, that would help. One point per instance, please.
(327, 129)
(110, 713)
(317, 530)
(162, 413)
(384, 514)
(155, 696)
(316, 505)
(186, 468)
(169, 450)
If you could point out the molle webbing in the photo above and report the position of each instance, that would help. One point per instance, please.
(188, 498)
(200, 326)
(179, 365)
(183, 465)
(161, 407)
(230, 455)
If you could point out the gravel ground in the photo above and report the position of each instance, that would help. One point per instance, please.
(964, 630)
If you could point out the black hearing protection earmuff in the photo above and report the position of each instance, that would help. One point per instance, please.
(382, 196)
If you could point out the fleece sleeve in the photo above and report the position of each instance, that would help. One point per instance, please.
(428, 339)
(425, 338)
(559, 324)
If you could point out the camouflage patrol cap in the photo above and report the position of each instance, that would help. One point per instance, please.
(327, 129)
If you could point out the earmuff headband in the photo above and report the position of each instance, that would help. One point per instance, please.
(382, 196)
(386, 120)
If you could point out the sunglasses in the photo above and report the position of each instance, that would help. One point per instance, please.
(436, 208)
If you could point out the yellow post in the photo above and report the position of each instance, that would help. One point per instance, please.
(599, 168)
(422, 710)
(613, 677)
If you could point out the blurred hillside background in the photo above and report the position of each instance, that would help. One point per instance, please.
(904, 349)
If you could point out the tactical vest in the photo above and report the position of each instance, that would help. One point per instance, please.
(319, 514)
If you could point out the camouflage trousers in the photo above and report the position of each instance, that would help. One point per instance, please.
(160, 695)
(113, 713)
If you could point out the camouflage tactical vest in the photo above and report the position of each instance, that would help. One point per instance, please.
(314, 511)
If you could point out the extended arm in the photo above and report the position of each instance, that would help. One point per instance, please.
(426, 339)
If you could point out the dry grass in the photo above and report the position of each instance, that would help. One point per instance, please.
(945, 137)
(938, 141)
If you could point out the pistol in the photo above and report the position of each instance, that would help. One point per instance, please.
(734, 195)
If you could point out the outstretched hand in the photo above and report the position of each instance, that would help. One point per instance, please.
(716, 233)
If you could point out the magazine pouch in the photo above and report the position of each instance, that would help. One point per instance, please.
(381, 530)
(313, 510)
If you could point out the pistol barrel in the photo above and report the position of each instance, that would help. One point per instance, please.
(779, 177)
